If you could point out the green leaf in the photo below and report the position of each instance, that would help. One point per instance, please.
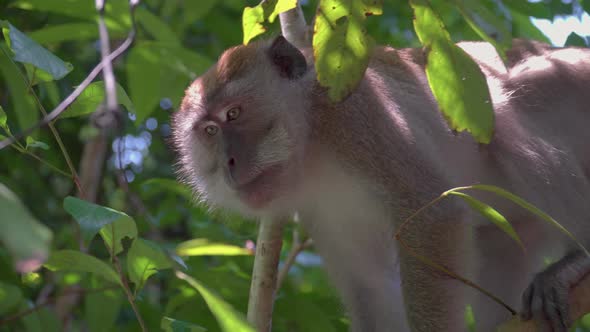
(76, 261)
(341, 44)
(528, 206)
(25, 238)
(156, 27)
(65, 32)
(456, 81)
(202, 247)
(143, 260)
(492, 214)
(173, 325)
(92, 97)
(486, 24)
(33, 144)
(101, 309)
(267, 10)
(168, 186)
(24, 108)
(526, 8)
(156, 70)
(3, 121)
(28, 51)
(228, 318)
(524, 28)
(94, 218)
(10, 298)
(575, 40)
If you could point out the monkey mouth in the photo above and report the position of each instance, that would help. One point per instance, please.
(261, 190)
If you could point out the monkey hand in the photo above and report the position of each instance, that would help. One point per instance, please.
(546, 300)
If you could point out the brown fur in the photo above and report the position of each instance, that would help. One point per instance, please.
(354, 170)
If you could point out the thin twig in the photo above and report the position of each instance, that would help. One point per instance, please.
(56, 112)
(297, 248)
(438, 266)
(54, 131)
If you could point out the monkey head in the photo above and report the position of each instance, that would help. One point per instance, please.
(241, 131)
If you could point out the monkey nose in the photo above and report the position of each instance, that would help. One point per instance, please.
(231, 163)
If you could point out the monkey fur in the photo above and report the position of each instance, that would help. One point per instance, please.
(257, 134)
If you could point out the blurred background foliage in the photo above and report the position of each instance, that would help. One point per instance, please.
(177, 40)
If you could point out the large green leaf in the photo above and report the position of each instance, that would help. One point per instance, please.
(113, 225)
(25, 238)
(92, 97)
(28, 51)
(145, 259)
(173, 325)
(456, 80)
(228, 318)
(202, 247)
(158, 70)
(65, 32)
(253, 18)
(71, 260)
(156, 27)
(24, 108)
(341, 45)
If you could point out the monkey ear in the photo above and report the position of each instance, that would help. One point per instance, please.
(287, 59)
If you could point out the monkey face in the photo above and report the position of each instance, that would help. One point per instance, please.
(240, 135)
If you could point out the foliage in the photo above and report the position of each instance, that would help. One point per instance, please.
(144, 218)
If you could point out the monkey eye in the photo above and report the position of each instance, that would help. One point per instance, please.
(211, 130)
(233, 113)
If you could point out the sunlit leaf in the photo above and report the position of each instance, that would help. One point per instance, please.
(33, 144)
(28, 51)
(3, 121)
(143, 260)
(113, 225)
(92, 97)
(341, 44)
(228, 318)
(201, 247)
(253, 18)
(174, 325)
(25, 238)
(456, 81)
(492, 214)
(71, 260)
(10, 297)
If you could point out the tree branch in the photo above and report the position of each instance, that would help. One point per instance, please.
(264, 273)
(294, 28)
(579, 305)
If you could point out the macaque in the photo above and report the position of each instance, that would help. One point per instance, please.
(258, 135)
